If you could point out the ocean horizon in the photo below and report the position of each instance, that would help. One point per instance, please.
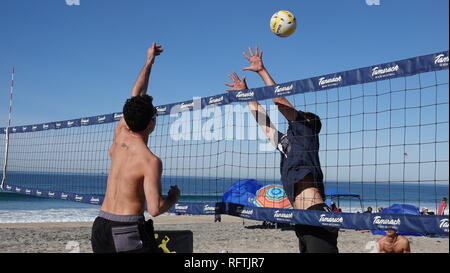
(19, 208)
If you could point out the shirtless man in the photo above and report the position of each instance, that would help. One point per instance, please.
(393, 243)
(134, 178)
(300, 169)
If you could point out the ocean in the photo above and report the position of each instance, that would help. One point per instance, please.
(18, 208)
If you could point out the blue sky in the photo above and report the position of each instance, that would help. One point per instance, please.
(74, 61)
(80, 61)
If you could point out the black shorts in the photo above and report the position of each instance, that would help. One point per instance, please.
(123, 233)
(314, 239)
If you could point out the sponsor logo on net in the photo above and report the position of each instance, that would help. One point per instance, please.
(34, 128)
(70, 123)
(58, 125)
(84, 121)
(18, 189)
(441, 60)
(118, 116)
(286, 216)
(101, 119)
(78, 198)
(378, 220)
(94, 200)
(245, 95)
(64, 196)
(27, 191)
(51, 194)
(378, 72)
(181, 208)
(184, 106)
(24, 128)
(38, 193)
(45, 126)
(444, 225)
(331, 221)
(161, 109)
(14, 129)
(8, 187)
(216, 100)
(283, 90)
(209, 209)
(329, 82)
(244, 212)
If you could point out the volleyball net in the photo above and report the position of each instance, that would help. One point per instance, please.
(384, 142)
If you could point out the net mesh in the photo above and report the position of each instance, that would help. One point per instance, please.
(386, 142)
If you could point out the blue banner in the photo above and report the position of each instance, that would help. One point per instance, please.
(402, 68)
(425, 224)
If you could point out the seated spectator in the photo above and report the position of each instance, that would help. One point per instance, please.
(393, 243)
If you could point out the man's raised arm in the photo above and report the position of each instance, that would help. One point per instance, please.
(256, 109)
(141, 84)
(256, 65)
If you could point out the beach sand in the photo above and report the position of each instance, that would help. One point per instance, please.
(232, 234)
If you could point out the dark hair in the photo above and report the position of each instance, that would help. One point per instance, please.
(313, 120)
(138, 111)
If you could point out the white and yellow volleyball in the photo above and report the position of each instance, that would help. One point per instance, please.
(283, 23)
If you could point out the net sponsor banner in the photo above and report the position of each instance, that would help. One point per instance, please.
(402, 68)
(75, 197)
(425, 224)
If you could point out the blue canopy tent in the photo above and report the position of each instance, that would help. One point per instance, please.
(332, 195)
(242, 192)
(400, 209)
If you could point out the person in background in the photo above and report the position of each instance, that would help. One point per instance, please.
(334, 208)
(424, 211)
(442, 206)
(369, 210)
(393, 243)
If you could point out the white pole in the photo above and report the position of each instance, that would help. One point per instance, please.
(5, 162)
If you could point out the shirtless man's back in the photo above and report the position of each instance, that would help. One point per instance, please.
(131, 161)
(134, 178)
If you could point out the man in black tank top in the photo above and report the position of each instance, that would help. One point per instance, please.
(300, 169)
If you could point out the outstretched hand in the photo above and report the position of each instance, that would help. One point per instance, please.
(153, 51)
(237, 84)
(255, 59)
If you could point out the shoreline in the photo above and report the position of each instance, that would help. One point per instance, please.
(232, 235)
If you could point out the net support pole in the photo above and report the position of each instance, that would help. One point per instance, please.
(5, 160)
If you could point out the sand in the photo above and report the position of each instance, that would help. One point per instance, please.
(232, 234)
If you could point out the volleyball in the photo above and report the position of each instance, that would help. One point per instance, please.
(283, 23)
